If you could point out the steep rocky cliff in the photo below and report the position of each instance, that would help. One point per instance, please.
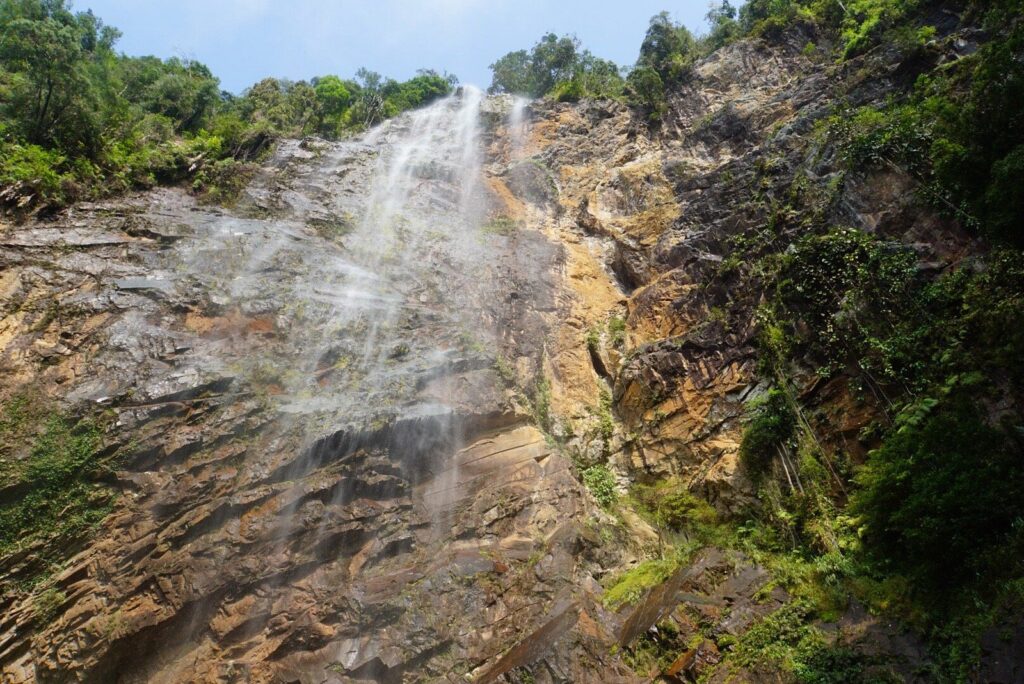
(331, 449)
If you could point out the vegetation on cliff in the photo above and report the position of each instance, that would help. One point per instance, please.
(932, 521)
(927, 526)
(52, 492)
(79, 121)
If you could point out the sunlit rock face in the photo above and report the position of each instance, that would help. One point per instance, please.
(330, 475)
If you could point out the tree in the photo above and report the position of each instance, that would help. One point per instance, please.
(945, 485)
(593, 77)
(333, 99)
(186, 92)
(646, 89)
(553, 60)
(668, 48)
(368, 106)
(50, 96)
(511, 74)
(332, 94)
(556, 66)
(422, 89)
(724, 27)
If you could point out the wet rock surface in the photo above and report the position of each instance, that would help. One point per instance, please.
(323, 477)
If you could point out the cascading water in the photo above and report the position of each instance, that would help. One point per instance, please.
(517, 124)
(350, 508)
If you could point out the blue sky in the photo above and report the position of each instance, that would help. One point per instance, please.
(245, 40)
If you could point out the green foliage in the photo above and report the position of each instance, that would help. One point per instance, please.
(185, 92)
(977, 147)
(616, 331)
(333, 97)
(944, 481)
(943, 485)
(556, 67)
(47, 604)
(223, 181)
(668, 48)
(866, 21)
(771, 425)
(59, 496)
(961, 130)
(542, 404)
(723, 27)
(536, 73)
(513, 73)
(606, 424)
(77, 120)
(501, 225)
(786, 639)
(282, 106)
(48, 54)
(629, 587)
(656, 649)
(862, 306)
(666, 56)
(19, 420)
(671, 506)
(601, 483)
(422, 89)
(868, 136)
(851, 291)
(504, 370)
(646, 89)
(376, 98)
(34, 168)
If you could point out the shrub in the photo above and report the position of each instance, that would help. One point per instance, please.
(670, 505)
(223, 181)
(630, 586)
(645, 89)
(34, 167)
(617, 331)
(770, 425)
(601, 483)
(851, 290)
(61, 498)
(943, 487)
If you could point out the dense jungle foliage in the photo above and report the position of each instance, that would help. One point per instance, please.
(928, 527)
(78, 120)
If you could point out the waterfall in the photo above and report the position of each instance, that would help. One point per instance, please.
(517, 124)
(337, 500)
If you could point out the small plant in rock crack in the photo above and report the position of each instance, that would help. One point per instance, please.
(601, 483)
(617, 332)
(399, 352)
(501, 225)
(47, 604)
(504, 370)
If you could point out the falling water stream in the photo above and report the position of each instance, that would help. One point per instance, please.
(370, 261)
(336, 469)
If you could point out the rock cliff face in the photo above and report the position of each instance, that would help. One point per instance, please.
(654, 222)
(343, 449)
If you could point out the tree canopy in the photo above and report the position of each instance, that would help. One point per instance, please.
(79, 119)
(556, 66)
